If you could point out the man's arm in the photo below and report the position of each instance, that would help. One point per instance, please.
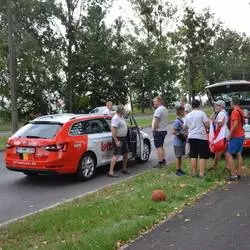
(117, 142)
(234, 126)
(155, 123)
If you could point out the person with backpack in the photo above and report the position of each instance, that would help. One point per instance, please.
(218, 132)
(180, 137)
(236, 139)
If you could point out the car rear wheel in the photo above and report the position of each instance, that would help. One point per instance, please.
(146, 152)
(87, 167)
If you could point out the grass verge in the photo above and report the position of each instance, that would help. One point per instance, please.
(114, 215)
(3, 141)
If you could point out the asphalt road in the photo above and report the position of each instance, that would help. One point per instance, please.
(20, 195)
(220, 220)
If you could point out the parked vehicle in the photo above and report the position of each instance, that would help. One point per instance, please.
(69, 143)
(224, 91)
(100, 110)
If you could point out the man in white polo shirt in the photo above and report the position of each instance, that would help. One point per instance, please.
(159, 128)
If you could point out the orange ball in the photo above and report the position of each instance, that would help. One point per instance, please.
(158, 195)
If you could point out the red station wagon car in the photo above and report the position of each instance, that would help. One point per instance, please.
(69, 143)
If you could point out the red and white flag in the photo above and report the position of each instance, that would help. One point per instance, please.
(217, 138)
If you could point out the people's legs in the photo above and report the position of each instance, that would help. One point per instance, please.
(239, 164)
(159, 137)
(178, 163)
(125, 161)
(194, 166)
(202, 166)
(217, 158)
(230, 162)
(112, 164)
(161, 153)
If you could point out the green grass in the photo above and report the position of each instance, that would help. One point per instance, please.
(113, 215)
(3, 141)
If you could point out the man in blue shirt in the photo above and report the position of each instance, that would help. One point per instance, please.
(179, 140)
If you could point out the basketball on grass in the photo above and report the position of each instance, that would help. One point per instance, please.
(158, 195)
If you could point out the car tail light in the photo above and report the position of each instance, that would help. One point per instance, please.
(56, 147)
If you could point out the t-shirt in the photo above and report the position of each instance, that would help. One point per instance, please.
(195, 122)
(162, 114)
(187, 108)
(178, 126)
(107, 111)
(237, 114)
(222, 117)
(120, 124)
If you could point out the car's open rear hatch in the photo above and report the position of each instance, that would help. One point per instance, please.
(225, 90)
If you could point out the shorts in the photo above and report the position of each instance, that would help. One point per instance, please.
(179, 151)
(123, 149)
(199, 148)
(159, 137)
(235, 145)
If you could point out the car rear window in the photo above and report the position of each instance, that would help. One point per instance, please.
(38, 130)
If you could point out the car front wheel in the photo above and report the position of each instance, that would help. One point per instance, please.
(146, 152)
(87, 167)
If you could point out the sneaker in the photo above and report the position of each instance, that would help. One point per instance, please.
(233, 178)
(158, 166)
(181, 171)
(178, 172)
(239, 177)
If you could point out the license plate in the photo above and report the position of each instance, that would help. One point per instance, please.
(25, 150)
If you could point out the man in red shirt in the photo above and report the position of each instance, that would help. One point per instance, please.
(235, 138)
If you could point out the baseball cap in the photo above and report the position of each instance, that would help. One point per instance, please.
(220, 103)
(120, 109)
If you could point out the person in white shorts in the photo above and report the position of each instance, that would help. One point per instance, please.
(219, 119)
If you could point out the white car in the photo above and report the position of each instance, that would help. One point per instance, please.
(100, 110)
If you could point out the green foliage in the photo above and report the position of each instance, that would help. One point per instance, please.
(66, 52)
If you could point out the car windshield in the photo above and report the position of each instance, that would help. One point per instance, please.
(38, 130)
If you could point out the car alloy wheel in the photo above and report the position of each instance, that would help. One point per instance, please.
(87, 167)
(146, 151)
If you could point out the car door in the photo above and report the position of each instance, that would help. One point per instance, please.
(100, 140)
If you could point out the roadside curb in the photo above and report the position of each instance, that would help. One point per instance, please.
(19, 218)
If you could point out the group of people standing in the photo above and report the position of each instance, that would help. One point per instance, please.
(191, 127)
(190, 130)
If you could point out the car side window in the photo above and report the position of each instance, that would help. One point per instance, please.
(89, 127)
(98, 126)
(78, 128)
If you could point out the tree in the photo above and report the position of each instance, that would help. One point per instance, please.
(195, 38)
(12, 66)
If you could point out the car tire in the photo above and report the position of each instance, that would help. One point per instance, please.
(146, 152)
(87, 167)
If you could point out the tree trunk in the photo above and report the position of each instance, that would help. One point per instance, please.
(189, 84)
(12, 68)
(142, 101)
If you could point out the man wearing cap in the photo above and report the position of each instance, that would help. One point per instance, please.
(235, 138)
(119, 131)
(219, 119)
